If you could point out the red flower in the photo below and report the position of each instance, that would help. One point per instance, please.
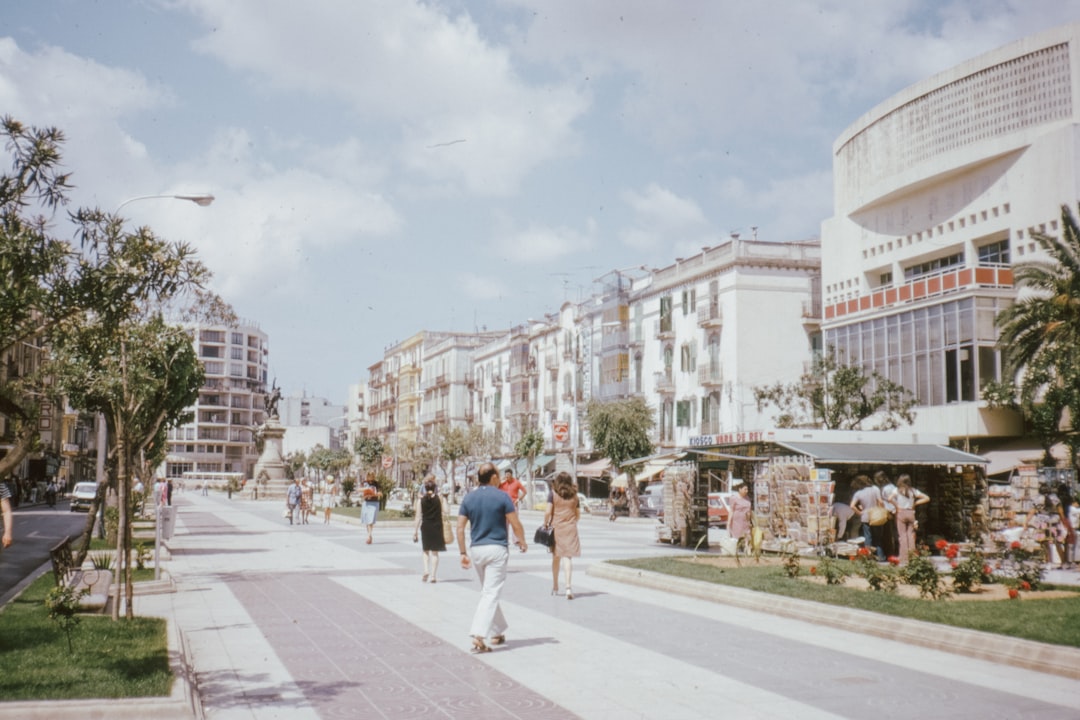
(953, 564)
(1014, 594)
(864, 552)
(1015, 545)
(986, 570)
(893, 560)
(813, 569)
(952, 552)
(941, 544)
(851, 558)
(1025, 585)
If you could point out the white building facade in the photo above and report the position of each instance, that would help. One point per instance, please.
(937, 193)
(232, 402)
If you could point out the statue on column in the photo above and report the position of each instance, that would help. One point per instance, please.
(272, 401)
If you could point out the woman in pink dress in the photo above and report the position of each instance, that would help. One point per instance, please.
(739, 518)
(562, 515)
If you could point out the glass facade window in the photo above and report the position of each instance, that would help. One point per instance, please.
(943, 354)
(931, 267)
(995, 253)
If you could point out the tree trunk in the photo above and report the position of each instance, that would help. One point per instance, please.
(121, 530)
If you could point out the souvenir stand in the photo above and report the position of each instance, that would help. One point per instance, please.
(796, 475)
(793, 504)
(686, 507)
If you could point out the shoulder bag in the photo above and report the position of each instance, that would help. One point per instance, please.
(545, 535)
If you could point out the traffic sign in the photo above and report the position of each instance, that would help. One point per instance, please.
(560, 429)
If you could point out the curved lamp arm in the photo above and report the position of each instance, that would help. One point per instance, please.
(200, 200)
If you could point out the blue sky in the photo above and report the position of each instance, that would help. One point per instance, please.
(382, 167)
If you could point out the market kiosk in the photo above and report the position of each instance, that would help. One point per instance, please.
(797, 475)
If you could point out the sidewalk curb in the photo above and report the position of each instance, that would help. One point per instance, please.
(181, 704)
(1041, 657)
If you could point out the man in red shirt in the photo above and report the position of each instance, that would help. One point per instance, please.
(512, 487)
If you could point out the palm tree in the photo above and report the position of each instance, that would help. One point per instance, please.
(1045, 324)
(1041, 330)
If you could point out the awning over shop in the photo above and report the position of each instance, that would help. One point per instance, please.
(650, 470)
(893, 454)
(1010, 457)
(594, 469)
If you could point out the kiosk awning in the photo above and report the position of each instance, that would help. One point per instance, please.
(594, 469)
(895, 454)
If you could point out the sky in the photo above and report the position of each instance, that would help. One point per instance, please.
(388, 166)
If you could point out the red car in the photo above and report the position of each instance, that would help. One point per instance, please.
(719, 508)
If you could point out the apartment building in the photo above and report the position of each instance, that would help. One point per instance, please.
(937, 193)
(232, 402)
(708, 329)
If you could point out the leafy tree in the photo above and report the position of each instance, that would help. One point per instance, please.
(529, 445)
(838, 396)
(35, 278)
(295, 463)
(370, 450)
(145, 388)
(95, 305)
(454, 446)
(325, 460)
(620, 431)
(1041, 331)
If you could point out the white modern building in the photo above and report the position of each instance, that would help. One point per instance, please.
(937, 193)
(231, 404)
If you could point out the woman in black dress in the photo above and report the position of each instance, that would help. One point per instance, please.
(429, 512)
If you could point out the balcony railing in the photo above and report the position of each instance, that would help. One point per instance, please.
(665, 383)
(709, 375)
(710, 315)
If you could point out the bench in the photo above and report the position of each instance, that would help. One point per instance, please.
(95, 582)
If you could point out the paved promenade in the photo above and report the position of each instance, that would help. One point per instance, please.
(300, 622)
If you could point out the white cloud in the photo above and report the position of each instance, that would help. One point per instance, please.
(542, 244)
(430, 77)
(662, 218)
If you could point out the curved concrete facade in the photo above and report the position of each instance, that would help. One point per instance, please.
(937, 192)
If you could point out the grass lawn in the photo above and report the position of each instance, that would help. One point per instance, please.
(121, 659)
(1055, 621)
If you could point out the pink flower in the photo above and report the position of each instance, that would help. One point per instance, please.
(954, 564)
(986, 570)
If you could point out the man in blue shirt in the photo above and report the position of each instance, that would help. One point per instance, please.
(292, 501)
(488, 509)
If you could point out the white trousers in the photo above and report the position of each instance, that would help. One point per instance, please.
(490, 562)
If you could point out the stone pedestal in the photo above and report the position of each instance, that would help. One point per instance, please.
(269, 473)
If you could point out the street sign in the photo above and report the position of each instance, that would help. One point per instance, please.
(387, 462)
(560, 430)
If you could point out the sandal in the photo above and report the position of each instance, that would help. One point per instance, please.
(498, 640)
(423, 578)
(479, 647)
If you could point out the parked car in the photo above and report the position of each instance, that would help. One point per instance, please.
(83, 496)
(584, 502)
(719, 508)
(541, 494)
(651, 501)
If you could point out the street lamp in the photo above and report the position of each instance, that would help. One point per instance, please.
(200, 200)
